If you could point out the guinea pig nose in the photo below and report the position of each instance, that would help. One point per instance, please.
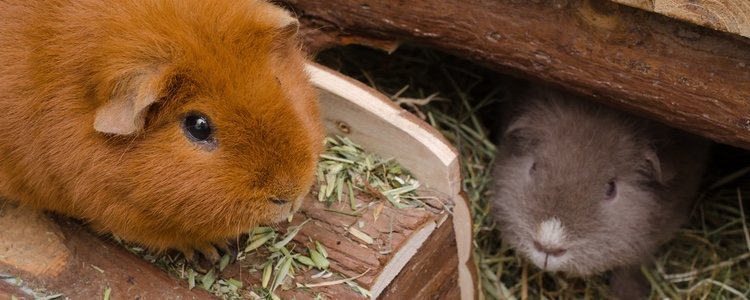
(551, 251)
(279, 201)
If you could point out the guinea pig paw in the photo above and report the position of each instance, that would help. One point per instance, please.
(201, 258)
(208, 256)
(231, 249)
(210, 253)
(187, 252)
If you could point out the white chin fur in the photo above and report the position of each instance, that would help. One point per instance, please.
(551, 234)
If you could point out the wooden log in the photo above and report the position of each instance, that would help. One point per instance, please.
(63, 257)
(731, 16)
(681, 74)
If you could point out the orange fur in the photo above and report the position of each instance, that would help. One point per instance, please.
(61, 60)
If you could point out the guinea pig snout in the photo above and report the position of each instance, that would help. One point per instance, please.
(549, 244)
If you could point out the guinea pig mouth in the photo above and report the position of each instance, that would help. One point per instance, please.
(279, 201)
(285, 215)
(548, 262)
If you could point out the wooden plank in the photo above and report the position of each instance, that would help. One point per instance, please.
(397, 234)
(435, 272)
(731, 16)
(680, 74)
(394, 231)
(374, 121)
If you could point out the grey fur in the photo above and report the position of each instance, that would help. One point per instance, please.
(578, 146)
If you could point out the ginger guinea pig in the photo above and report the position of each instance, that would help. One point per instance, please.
(171, 123)
(581, 188)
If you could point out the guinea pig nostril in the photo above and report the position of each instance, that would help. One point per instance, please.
(556, 252)
(538, 246)
(551, 251)
(279, 201)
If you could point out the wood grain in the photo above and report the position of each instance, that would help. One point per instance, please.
(27, 250)
(392, 233)
(89, 264)
(684, 75)
(351, 256)
(435, 272)
(731, 16)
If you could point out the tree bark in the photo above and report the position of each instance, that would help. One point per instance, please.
(63, 257)
(731, 16)
(684, 75)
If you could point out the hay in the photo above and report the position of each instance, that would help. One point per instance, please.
(708, 259)
(345, 165)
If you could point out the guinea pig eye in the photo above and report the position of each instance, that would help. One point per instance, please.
(197, 127)
(611, 191)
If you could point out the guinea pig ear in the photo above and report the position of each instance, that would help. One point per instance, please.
(287, 28)
(653, 162)
(124, 113)
(520, 139)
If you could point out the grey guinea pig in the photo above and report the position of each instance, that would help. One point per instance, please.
(581, 188)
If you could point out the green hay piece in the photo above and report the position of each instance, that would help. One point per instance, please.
(107, 293)
(345, 165)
